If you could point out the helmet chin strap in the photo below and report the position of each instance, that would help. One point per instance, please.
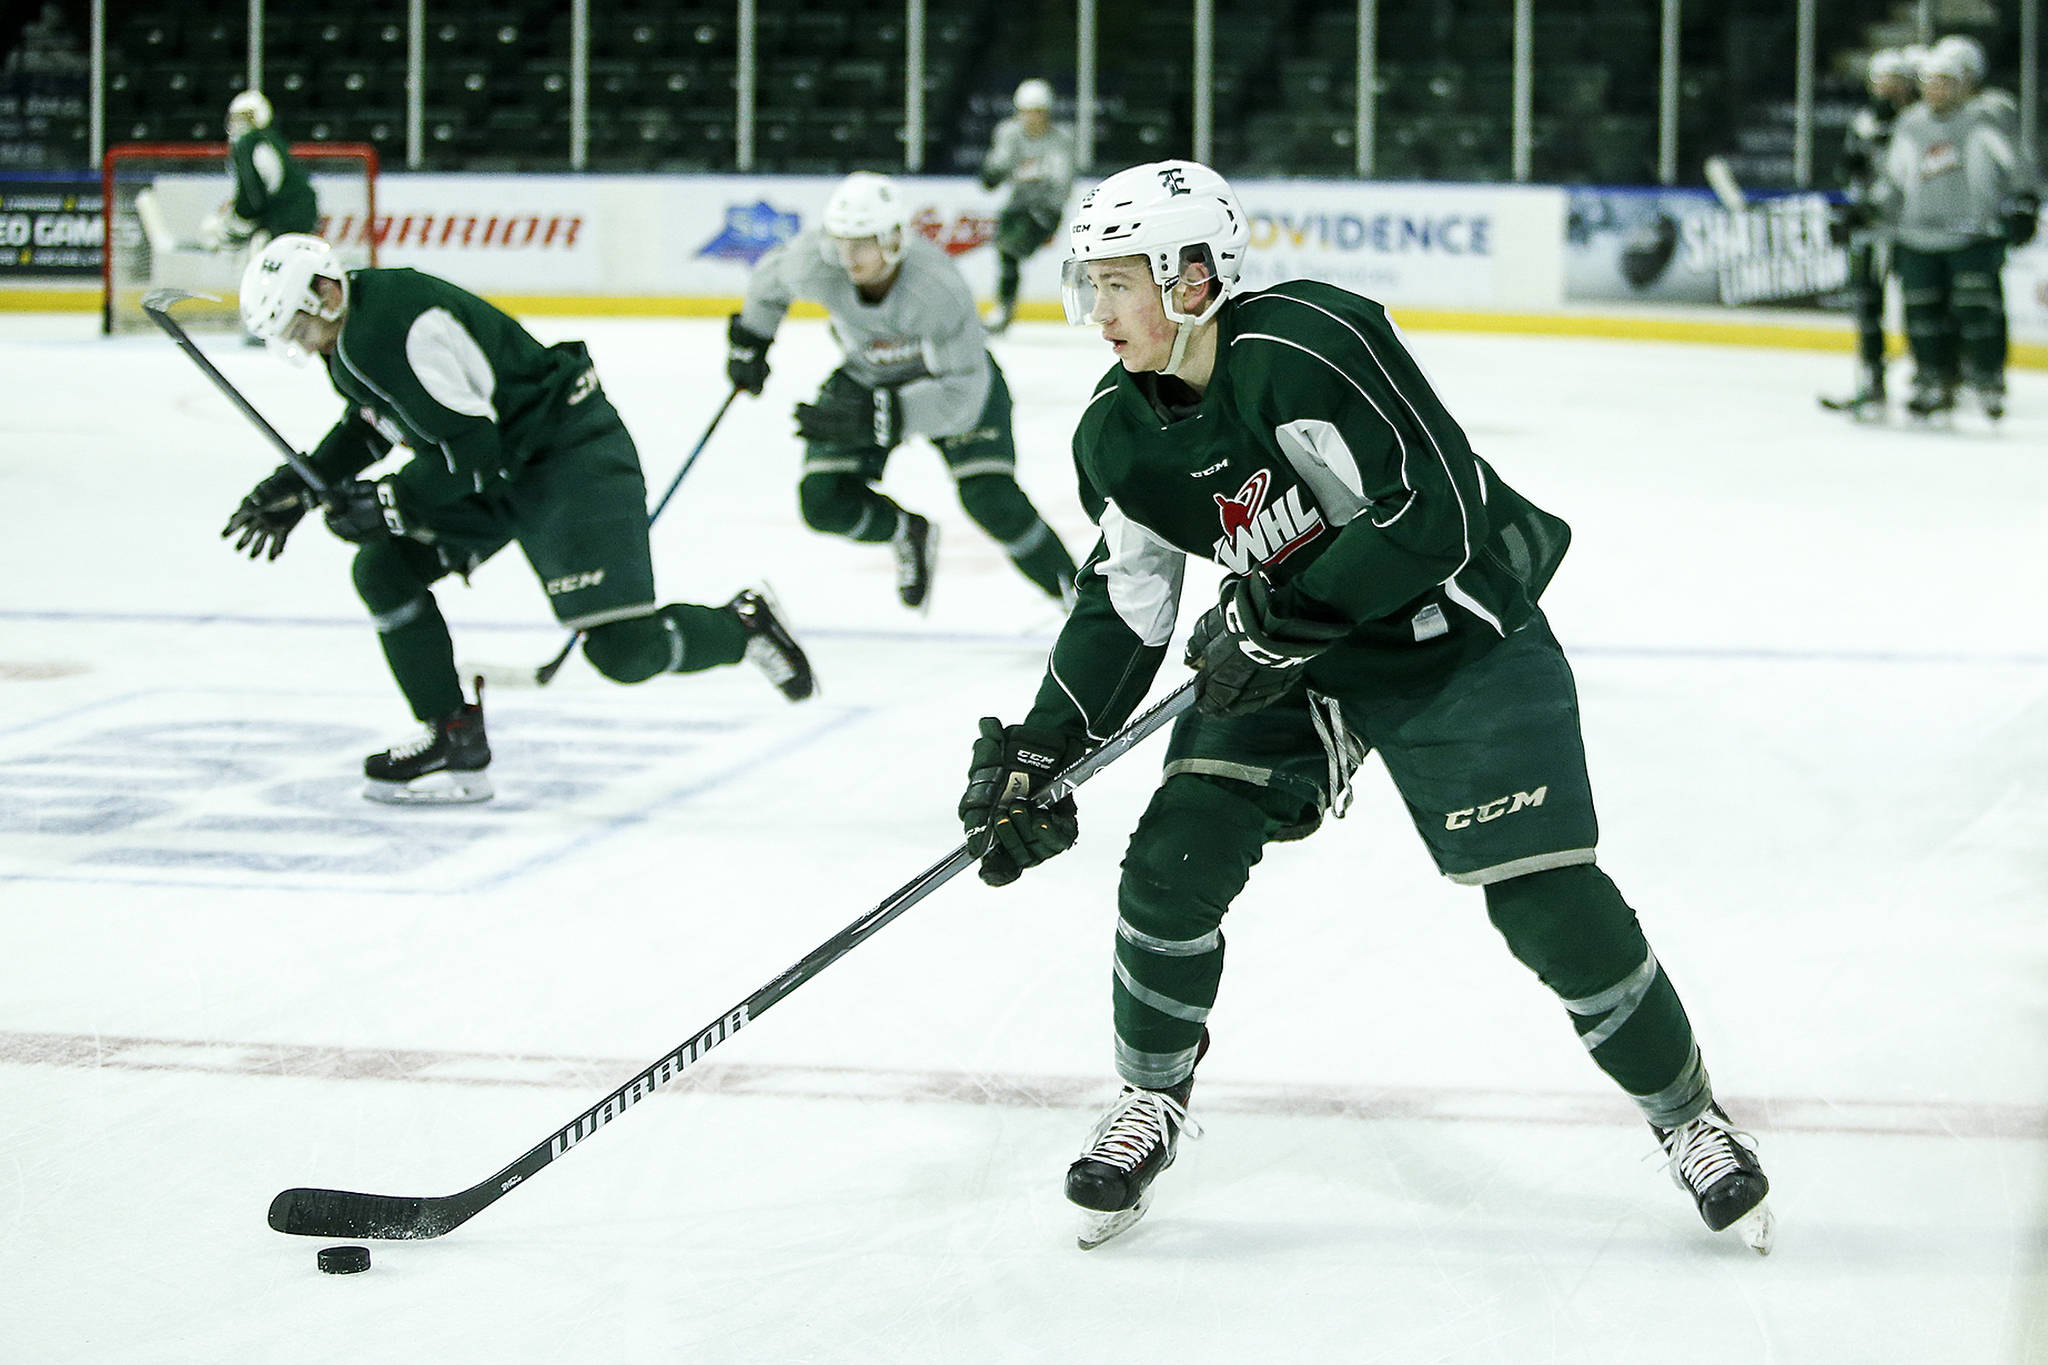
(1190, 323)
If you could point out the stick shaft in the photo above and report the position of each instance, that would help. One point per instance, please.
(159, 314)
(345, 1213)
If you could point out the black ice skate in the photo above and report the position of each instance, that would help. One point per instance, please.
(1931, 399)
(916, 544)
(1710, 1159)
(446, 766)
(1132, 1144)
(1866, 404)
(1991, 398)
(770, 646)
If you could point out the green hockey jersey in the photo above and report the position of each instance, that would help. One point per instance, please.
(1319, 456)
(272, 192)
(425, 364)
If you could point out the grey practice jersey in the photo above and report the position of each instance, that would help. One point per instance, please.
(1040, 169)
(1946, 177)
(925, 338)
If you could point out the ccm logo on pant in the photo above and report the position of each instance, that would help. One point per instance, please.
(589, 578)
(1494, 809)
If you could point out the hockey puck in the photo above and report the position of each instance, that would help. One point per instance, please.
(344, 1260)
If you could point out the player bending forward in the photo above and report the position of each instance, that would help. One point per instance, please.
(511, 440)
(1381, 594)
(917, 363)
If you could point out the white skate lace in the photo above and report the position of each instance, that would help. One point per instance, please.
(1140, 1122)
(413, 747)
(1703, 1151)
(769, 659)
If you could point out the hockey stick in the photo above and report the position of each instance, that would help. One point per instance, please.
(1721, 179)
(545, 674)
(343, 1213)
(157, 303)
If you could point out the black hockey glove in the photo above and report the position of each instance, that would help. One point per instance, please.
(746, 357)
(2022, 218)
(268, 514)
(849, 413)
(364, 510)
(1004, 829)
(1247, 654)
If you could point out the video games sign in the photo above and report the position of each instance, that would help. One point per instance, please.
(50, 227)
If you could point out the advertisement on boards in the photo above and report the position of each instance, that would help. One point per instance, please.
(1682, 246)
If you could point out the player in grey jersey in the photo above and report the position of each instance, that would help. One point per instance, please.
(1035, 158)
(1382, 596)
(1950, 180)
(917, 363)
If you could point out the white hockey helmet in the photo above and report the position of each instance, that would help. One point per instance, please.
(1890, 63)
(1969, 52)
(1173, 213)
(1033, 94)
(868, 205)
(278, 286)
(248, 110)
(1941, 60)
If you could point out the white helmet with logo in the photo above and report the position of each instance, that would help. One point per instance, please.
(1033, 94)
(1174, 214)
(248, 110)
(866, 205)
(278, 286)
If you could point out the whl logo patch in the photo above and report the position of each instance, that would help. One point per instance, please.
(1255, 534)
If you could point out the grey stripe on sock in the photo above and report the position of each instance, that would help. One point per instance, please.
(1617, 1002)
(1154, 1070)
(399, 617)
(1168, 947)
(1682, 1101)
(1165, 1004)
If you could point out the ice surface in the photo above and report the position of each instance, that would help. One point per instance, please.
(1814, 665)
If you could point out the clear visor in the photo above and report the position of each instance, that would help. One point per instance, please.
(1077, 292)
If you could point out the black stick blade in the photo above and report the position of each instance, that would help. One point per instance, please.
(379, 1217)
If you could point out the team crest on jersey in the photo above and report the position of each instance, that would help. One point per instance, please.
(1939, 159)
(1255, 534)
(887, 353)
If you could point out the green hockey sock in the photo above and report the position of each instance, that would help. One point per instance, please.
(421, 657)
(710, 636)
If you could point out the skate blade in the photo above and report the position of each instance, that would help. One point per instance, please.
(1097, 1228)
(1757, 1228)
(435, 789)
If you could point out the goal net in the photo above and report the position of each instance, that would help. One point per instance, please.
(156, 194)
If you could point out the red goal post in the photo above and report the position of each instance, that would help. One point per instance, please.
(149, 237)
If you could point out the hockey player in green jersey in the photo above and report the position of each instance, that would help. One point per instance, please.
(917, 363)
(272, 196)
(510, 441)
(1381, 594)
